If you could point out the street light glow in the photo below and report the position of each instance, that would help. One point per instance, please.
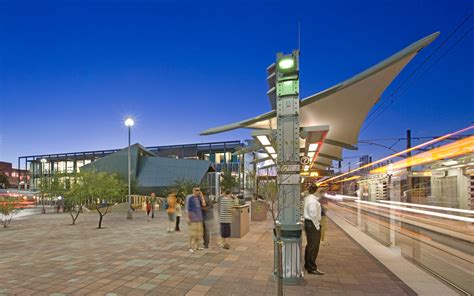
(43, 160)
(270, 150)
(286, 63)
(129, 121)
(264, 140)
(313, 147)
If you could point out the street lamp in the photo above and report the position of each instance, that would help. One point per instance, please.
(43, 162)
(286, 63)
(129, 123)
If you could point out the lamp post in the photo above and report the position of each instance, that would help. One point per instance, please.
(129, 123)
(43, 161)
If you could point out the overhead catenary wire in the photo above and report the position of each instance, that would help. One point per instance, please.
(450, 48)
(414, 138)
(440, 57)
(370, 119)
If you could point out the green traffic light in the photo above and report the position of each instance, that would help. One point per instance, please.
(286, 63)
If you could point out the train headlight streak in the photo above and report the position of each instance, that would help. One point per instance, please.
(427, 206)
(398, 154)
(423, 212)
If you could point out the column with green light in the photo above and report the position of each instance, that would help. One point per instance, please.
(288, 162)
(288, 137)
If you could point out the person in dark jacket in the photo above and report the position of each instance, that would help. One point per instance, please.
(208, 217)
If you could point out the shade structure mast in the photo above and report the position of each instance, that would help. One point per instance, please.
(288, 164)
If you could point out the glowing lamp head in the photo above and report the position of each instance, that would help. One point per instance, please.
(286, 63)
(129, 122)
(43, 160)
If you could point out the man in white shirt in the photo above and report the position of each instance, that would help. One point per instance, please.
(312, 227)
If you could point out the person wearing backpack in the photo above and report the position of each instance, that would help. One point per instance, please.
(170, 207)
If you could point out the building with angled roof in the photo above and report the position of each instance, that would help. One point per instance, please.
(172, 158)
(149, 172)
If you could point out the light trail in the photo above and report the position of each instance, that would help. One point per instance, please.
(339, 197)
(460, 147)
(398, 154)
(428, 206)
(428, 213)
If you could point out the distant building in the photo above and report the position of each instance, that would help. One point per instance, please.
(364, 160)
(219, 154)
(15, 176)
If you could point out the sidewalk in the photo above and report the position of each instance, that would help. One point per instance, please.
(43, 255)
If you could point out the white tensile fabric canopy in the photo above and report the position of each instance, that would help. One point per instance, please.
(342, 107)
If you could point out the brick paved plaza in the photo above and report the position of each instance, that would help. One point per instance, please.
(44, 255)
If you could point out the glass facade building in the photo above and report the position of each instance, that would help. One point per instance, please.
(44, 165)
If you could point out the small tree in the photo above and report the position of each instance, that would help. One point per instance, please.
(54, 186)
(251, 181)
(4, 182)
(8, 209)
(228, 180)
(269, 192)
(183, 187)
(104, 190)
(75, 198)
(43, 189)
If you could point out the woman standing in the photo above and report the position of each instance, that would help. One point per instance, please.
(179, 204)
(171, 210)
(225, 217)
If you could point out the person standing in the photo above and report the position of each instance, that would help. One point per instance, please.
(153, 203)
(208, 217)
(148, 209)
(179, 204)
(171, 210)
(194, 219)
(312, 227)
(324, 219)
(225, 217)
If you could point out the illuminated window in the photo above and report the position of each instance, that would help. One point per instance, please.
(70, 166)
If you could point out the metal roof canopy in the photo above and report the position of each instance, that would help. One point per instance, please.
(342, 107)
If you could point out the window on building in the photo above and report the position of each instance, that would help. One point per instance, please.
(70, 166)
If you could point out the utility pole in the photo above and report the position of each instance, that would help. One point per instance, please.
(289, 226)
(409, 179)
(255, 180)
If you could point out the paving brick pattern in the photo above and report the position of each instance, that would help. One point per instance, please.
(43, 255)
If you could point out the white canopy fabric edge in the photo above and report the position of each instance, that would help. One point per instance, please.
(409, 50)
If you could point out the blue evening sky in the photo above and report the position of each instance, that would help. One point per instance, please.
(70, 71)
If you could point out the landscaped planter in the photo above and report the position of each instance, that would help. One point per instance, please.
(259, 211)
